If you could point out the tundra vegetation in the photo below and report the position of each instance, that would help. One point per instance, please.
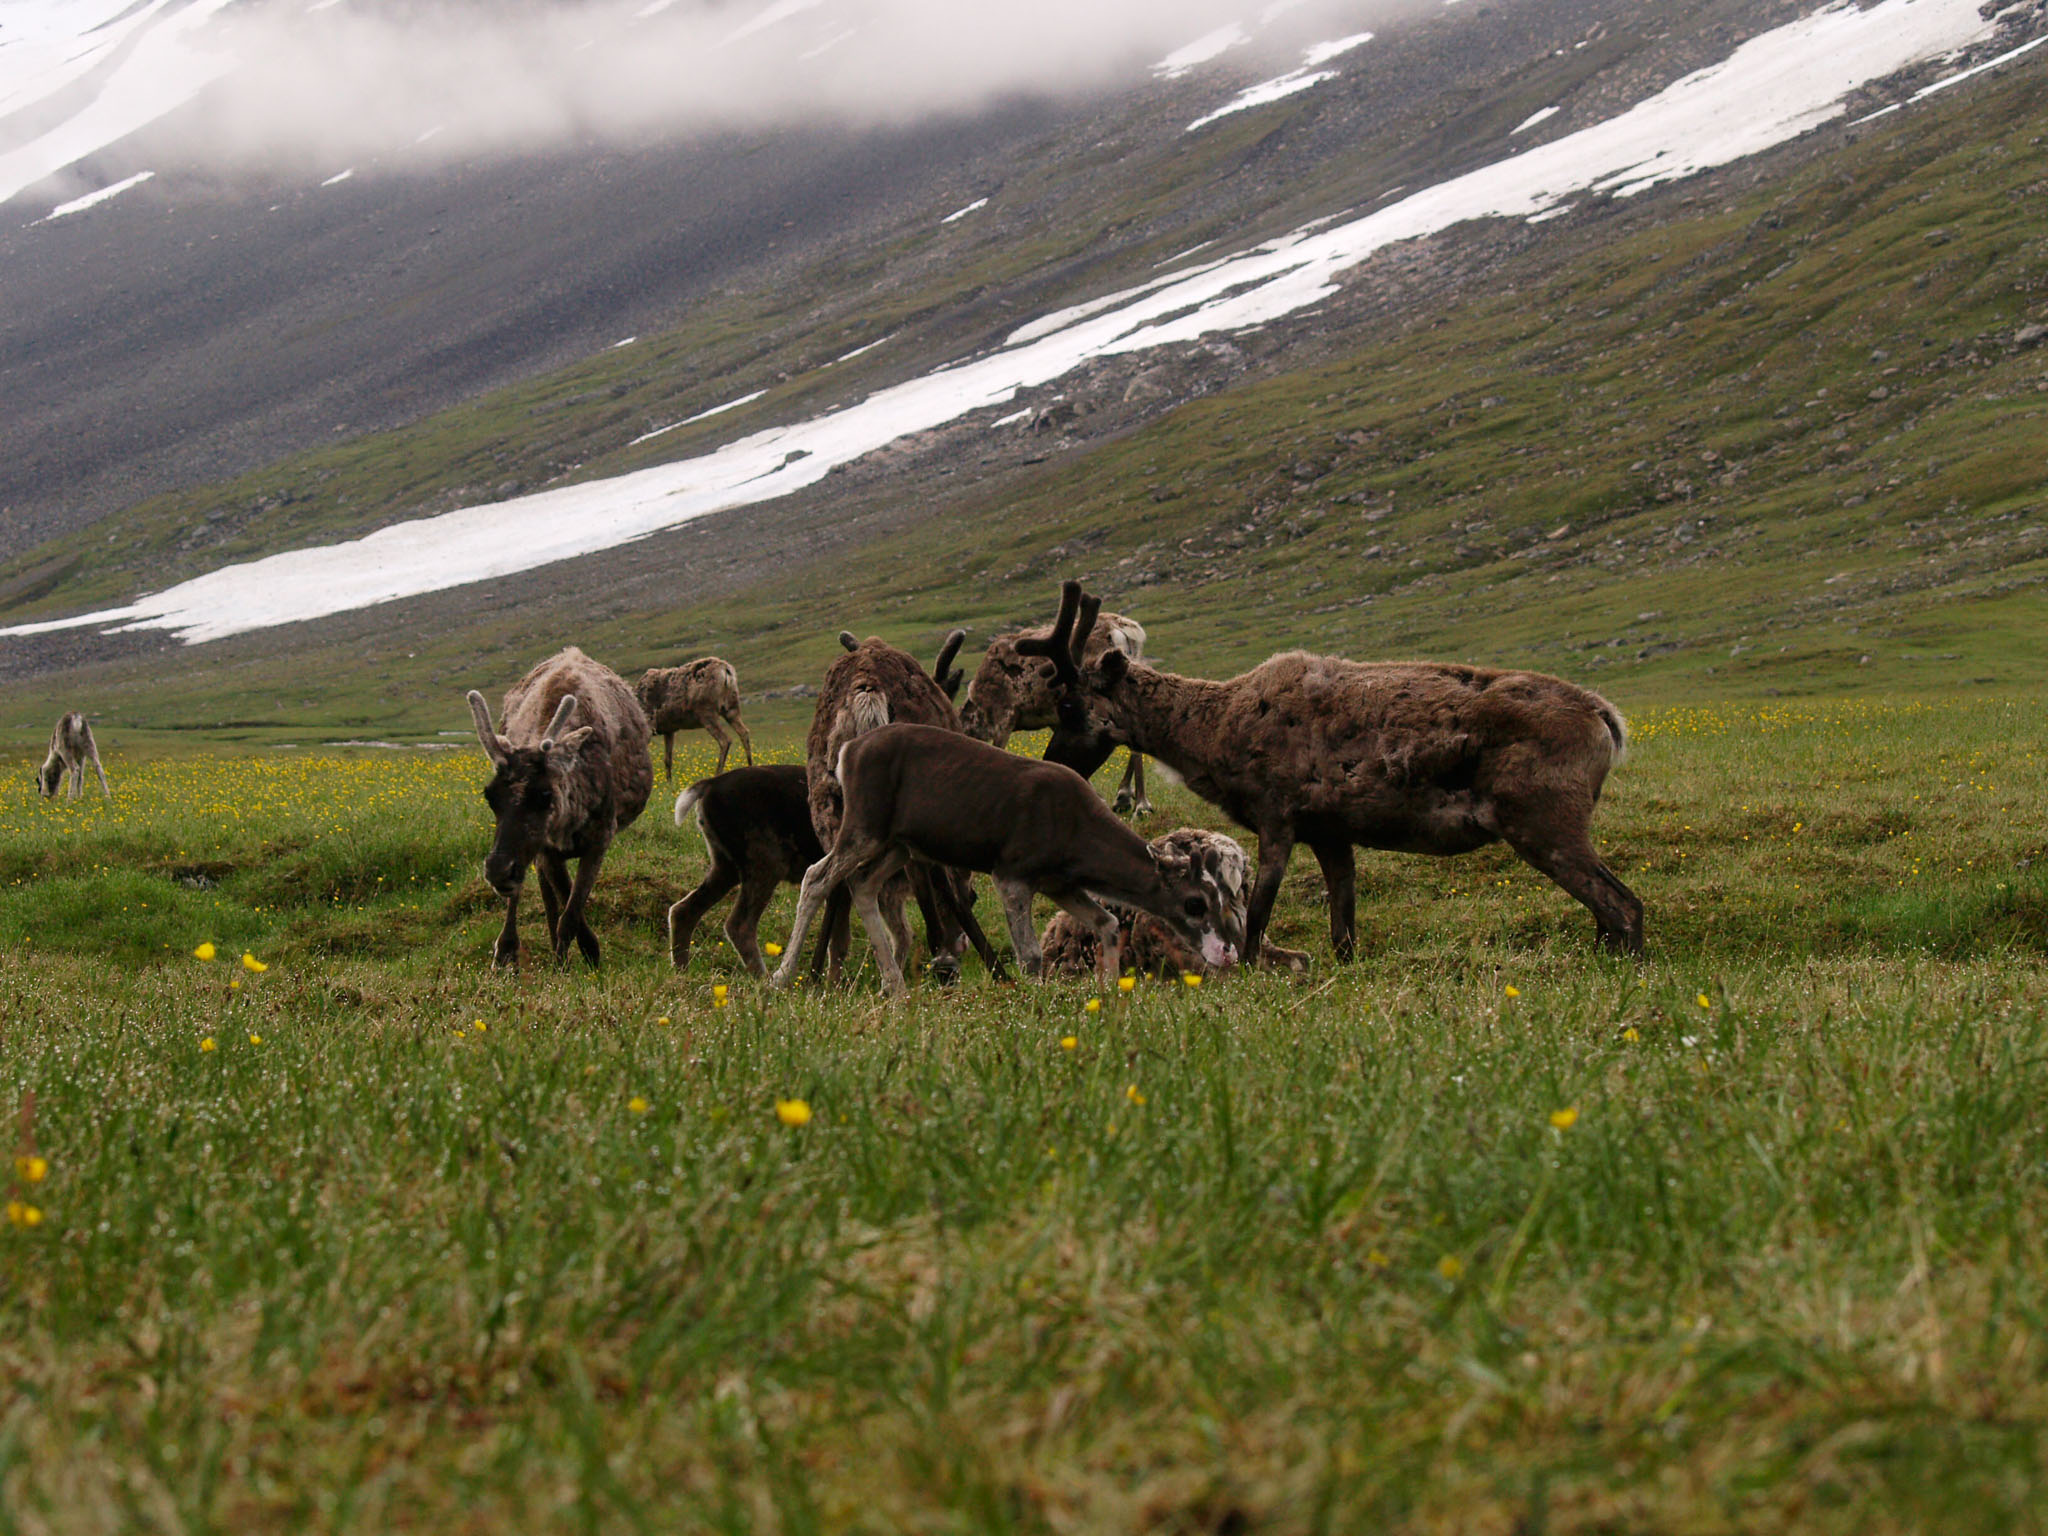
(1482, 1230)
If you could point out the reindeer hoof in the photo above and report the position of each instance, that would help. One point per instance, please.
(1123, 804)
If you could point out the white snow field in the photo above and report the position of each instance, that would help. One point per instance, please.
(1772, 88)
(94, 199)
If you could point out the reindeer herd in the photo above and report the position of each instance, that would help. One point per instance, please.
(904, 796)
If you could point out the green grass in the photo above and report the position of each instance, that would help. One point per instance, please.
(1270, 1254)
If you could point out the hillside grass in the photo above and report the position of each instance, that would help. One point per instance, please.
(1484, 1233)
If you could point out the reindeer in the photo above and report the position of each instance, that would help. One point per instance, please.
(1148, 946)
(698, 695)
(1013, 690)
(562, 790)
(757, 825)
(1416, 757)
(919, 791)
(71, 748)
(873, 684)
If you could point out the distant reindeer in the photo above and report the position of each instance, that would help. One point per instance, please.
(921, 792)
(1416, 757)
(71, 748)
(698, 695)
(1014, 689)
(572, 773)
(873, 684)
(757, 825)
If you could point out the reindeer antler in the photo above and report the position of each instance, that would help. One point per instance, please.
(846, 640)
(1058, 647)
(949, 683)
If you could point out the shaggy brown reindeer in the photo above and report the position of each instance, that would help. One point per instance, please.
(572, 773)
(71, 748)
(698, 695)
(1149, 947)
(873, 684)
(1013, 690)
(757, 824)
(922, 792)
(1416, 757)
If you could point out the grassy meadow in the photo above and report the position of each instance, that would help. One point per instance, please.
(1483, 1233)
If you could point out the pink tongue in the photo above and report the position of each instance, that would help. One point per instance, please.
(1215, 951)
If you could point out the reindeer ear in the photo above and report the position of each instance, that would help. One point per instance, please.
(570, 744)
(496, 748)
(847, 641)
(1113, 667)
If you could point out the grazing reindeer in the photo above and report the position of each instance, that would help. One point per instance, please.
(1014, 690)
(1148, 945)
(1416, 757)
(572, 773)
(917, 791)
(71, 748)
(757, 825)
(872, 685)
(698, 695)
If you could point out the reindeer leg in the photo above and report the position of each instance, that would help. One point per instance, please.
(1091, 915)
(744, 923)
(573, 925)
(1340, 880)
(686, 914)
(821, 882)
(506, 950)
(1574, 865)
(1130, 794)
(1016, 899)
(712, 729)
(1275, 844)
(746, 741)
(668, 757)
(941, 936)
(835, 939)
(552, 873)
(98, 769)
(956, 888)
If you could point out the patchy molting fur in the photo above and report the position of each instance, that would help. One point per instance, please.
(1417, 757)
(1012, 691)
(698, 695)
(597, 778)
(71, 748)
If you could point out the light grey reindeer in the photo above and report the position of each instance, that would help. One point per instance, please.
(917, 791)
(71, 748)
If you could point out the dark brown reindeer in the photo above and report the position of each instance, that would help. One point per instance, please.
(71, 748)
(1014, 690)
(757, 826)
(923, 792)
(1414, 757)
(698, 695)
(572, 773)
(870, 686)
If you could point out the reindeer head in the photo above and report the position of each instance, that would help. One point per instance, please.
(49, 776)
(1083, 735)
(1002, 685)
(1200, 910)
(526, 792)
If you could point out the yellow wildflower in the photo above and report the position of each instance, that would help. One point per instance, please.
(234, 983)
(1631, 1034)
(205, 951)
(255, 1039)
(251, 963)
(1125, 983)
(1704, 1001)
(638, 1105)
(1190, 979)
(1093, 1005)
(1450, 1266)
(792, 1111)
(1068, 1042)
(1564, 1119)
(207, 1044)
(1133, 1095)
(771, 950)
(1512, 990)
(21, 1214)
(33, 1170)
(1377, 1259)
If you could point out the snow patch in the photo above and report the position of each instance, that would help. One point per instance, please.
(961, 213)
(94, 199)
(716, 410)
(1210, 45)
(339, 177)
(1541, 115)
(1265, 92)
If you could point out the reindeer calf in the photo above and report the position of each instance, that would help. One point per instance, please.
(917, 791)
(71, 748)
(757, 825)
